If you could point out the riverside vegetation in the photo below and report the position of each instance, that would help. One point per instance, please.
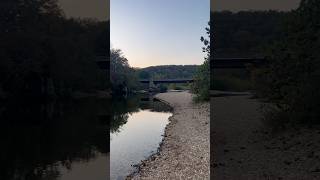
(45, 54)
(289, 41)
(291, 80)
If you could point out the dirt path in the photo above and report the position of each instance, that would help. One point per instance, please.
(184, 153)
(244, 148)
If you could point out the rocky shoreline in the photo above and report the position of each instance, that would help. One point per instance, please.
(184, 151)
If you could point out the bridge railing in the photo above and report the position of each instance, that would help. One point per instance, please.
(167, 81)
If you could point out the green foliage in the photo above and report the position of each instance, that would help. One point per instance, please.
(201, 85)
(167, 72)
(163, 88)
(291, 81)
(123, 77)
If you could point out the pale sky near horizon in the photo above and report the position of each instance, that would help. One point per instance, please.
(154, 32)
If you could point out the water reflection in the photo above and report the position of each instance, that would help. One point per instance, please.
(64, 140)
(49, 140)
(137, 136)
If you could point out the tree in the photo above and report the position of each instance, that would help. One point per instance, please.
(291, 81)
(201, 85)
(123, 77)
(42, 50)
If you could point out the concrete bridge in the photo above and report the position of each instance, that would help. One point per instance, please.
(147, 81)
(217, 63)
(237, 63)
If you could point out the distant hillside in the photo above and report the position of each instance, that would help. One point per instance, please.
(167, 72)
(245, 33)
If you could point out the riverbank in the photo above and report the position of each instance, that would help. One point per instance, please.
(244, 147)
(184, 151)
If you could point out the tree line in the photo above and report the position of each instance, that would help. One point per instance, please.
(167, 72)
(125, 79)
(45, 54)
(245, 33)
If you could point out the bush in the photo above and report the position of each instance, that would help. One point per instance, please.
(291, 80)
(163, 88)
(201, 85)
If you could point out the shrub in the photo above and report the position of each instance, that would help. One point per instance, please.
(291, 80)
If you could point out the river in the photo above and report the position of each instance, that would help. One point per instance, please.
(70, 140)
(138, 138)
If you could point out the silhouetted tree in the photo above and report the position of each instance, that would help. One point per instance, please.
(44, 54)
(123, 77)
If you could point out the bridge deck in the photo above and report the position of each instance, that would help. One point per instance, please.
(167, 81)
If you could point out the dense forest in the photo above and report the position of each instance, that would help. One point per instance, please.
(45, 54)
(167, 72)
(244, 34)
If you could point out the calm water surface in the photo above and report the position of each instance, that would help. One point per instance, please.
(56, 141)
(138, 138)
(70, 140)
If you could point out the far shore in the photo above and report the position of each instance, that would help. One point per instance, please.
(184, 151)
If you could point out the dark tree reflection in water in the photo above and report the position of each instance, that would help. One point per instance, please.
(51, 140)
(137, 133)
(38, 139)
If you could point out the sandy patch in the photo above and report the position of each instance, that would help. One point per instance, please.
(244, 148)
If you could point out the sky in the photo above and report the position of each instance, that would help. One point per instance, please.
(159, 32)
(236, 5)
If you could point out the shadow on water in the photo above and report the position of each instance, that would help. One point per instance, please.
(38, 139)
